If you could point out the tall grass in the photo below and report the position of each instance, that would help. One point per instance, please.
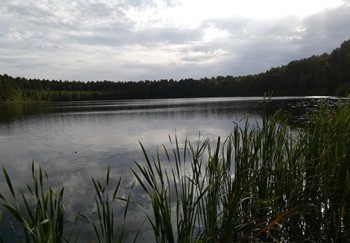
(264, 183)
(39, 210)
(107, 228)
(326, 147)
(235, 192)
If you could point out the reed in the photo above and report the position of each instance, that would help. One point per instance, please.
(326, 147)
(106, 226)
(226, 194)
(263, 183)
(38, 210)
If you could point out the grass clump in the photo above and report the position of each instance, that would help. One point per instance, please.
(105, 226)
(326, 150)
(38, 210)
(234, 192)
(265, 182)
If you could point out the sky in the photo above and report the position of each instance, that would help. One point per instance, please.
(132, 40)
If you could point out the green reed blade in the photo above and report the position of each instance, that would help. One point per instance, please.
(107, 176)
(8, 180)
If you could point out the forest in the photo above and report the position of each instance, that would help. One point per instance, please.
(326, 74)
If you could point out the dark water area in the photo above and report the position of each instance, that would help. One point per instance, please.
(73, 141)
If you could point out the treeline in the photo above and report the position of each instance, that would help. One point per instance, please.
(326, 74)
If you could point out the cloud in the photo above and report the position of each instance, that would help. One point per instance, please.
(98, 10)
(326, 30)
(256, 45)
(139, 39)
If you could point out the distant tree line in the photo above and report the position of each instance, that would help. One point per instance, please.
(326, 74)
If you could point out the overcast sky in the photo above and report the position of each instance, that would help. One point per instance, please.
(124, 40)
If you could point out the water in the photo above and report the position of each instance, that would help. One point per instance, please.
(74, 141)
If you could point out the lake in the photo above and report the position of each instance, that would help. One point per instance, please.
(73, 141)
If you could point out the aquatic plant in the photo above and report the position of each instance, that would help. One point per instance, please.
(221, 195)
(105, 227)
(326, 150)
(38, 210)
(263, 183)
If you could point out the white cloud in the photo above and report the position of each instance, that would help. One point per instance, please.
(154, 39)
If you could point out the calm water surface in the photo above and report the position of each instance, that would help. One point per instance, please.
(74, 141)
